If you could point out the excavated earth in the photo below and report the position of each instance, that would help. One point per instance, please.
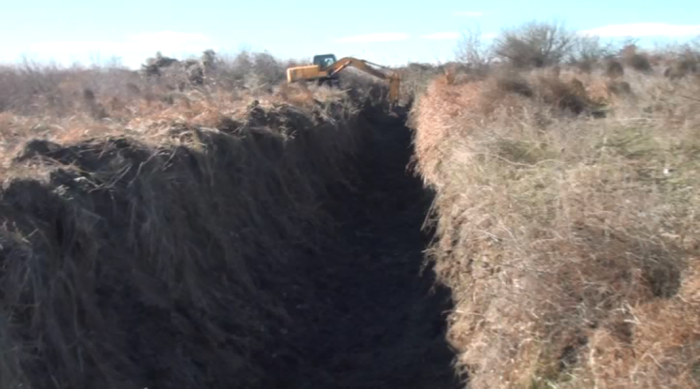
(379, 318)
(129, 268)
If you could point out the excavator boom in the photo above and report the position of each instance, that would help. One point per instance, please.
(317, 72)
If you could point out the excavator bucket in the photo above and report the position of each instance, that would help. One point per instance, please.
(307, 72)
(394, 88)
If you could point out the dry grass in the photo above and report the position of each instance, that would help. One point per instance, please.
(570, 242)
(67, 104)
(137, 217)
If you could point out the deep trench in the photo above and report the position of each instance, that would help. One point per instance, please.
(377, 317)
(361, 310)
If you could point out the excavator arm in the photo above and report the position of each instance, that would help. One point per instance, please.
(311, 72)
(392, 78)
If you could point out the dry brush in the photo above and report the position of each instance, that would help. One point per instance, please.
(160, 247)
(567, 221)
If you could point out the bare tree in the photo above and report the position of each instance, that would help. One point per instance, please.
(267, 68)
(472, 51)
(535, 44)
(588, 50)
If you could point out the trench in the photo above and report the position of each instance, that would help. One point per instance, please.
(183, 269)
(375, 318)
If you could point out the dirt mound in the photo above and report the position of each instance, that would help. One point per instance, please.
(281, 250)
(123, 267)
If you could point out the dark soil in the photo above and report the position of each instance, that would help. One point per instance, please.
(378, 319)
(269, 261)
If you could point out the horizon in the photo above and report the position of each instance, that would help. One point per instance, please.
(77, 31)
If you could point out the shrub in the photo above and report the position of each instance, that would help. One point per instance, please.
(639, 62)
(571, 96)
(535, 44)
(415, 78)
(688, 63)
(32, 88)
(634, 59)
(267, 69)
(587, 51)
(248, 70)
(511, 82)
(472, 51)
(614, 69)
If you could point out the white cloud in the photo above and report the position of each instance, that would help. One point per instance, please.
(442, 36)
(133, 49)
(467, 13)
(454, 35)
(169, 37)
(377, 37)
(644, 29)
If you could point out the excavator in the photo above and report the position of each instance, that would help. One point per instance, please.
(326, 67)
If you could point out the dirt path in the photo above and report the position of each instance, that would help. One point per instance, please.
(380, 322)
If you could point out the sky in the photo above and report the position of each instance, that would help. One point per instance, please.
(383, 31)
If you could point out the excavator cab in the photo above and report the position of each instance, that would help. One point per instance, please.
(324, 60)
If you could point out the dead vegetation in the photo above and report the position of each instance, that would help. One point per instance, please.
(140, 211)
(137, 215)
(68, 104)
(536, 44)
(199, 224)
(567, 223)
(124, 256)
(636, 60)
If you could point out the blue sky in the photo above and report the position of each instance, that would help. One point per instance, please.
(391, 32)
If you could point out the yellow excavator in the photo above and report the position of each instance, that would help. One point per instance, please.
(325, 69)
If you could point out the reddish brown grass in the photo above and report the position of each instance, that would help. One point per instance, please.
(570, 242)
